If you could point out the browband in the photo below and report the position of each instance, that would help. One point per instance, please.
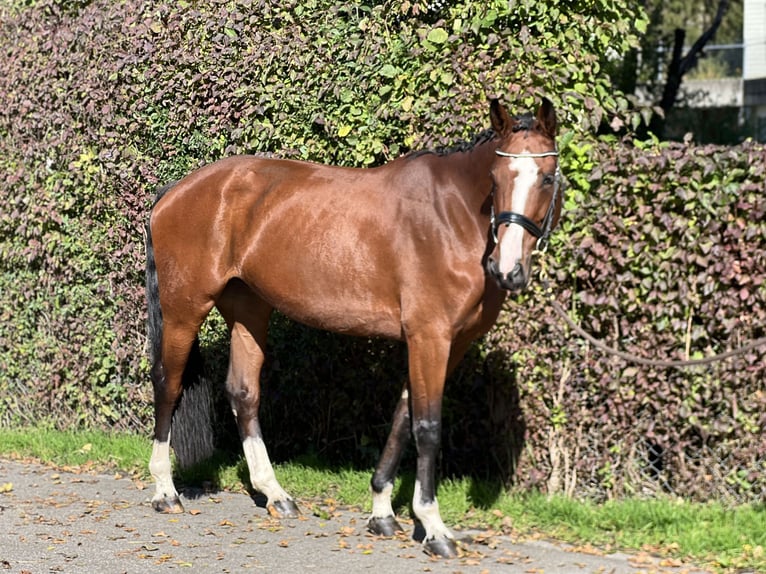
(541, 154)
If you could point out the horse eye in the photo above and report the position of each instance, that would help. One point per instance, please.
(548, 179)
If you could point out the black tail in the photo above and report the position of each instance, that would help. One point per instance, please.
(192, 426)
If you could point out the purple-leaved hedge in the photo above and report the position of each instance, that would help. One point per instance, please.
(660, 251)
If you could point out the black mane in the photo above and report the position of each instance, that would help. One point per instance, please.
(478, 139)
(524, 122)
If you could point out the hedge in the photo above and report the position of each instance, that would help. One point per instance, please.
(105, 101)
(662, 254)
(661, 245)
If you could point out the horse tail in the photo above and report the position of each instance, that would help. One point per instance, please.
(192, 434)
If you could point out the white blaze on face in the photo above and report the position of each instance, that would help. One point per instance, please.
(511, 244)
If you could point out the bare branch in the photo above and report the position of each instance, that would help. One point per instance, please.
(692, 56)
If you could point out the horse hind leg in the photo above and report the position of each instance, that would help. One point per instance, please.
(248, 319)
(167, 377)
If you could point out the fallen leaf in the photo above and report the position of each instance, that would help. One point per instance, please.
(640, 560)
(586, 549)
(283, 544)
(6, 487)
(195, 512)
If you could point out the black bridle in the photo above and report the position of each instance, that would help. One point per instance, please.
(542, 234)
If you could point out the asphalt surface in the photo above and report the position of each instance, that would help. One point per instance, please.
(72, 521)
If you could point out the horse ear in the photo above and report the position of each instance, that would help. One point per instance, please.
(546, 118)
(502, 123)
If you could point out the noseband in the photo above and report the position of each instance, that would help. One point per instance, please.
(508, 217)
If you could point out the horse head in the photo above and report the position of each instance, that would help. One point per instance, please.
(526, 196)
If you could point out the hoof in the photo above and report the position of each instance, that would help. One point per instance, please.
(283, 509)
(442, 547)
(386, 526)
(168, 505)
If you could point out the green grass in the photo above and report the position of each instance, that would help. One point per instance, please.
(76, 448)
(711, 535)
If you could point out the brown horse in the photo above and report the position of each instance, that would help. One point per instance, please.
(421, 249)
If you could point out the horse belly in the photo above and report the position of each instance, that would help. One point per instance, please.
(326, 277)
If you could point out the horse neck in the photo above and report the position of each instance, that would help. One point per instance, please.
(472, 170)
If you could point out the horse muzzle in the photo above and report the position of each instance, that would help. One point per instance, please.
(515, 280)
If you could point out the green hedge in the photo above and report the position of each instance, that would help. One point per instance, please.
(105, 101)
(662, 254)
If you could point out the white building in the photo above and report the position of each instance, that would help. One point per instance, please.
(742, 86)
(754, 64)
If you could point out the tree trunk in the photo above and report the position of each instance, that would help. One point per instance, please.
(679, 66)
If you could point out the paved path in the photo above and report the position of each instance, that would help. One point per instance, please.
(55, 521)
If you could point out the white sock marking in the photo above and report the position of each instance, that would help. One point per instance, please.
(381, 502)
(262, 475)
(162, 471)
(428, 514)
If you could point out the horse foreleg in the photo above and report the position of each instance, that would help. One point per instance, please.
(428, 358)
(383, 520)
